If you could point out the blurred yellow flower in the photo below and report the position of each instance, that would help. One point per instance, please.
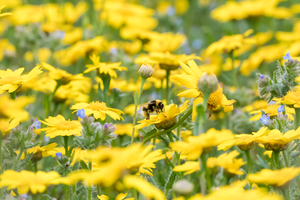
(27, 181)
(275, 178)
(165, 119)
(120, 196)
(3, 14)
(243, 141)
(143, 187)
(195, 145)
(6, 125)
(125, 129)
(292, 98)
(58, 126)
(43, 151)
(11, 80)
(188, 167)
(277, 141)
(190, 80)
(271, 110)
(104, 68)
(99, 110)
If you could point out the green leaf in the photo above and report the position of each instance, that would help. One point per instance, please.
(153, 131)
(45, 197)
(83, 165)
(171, 179)
(22, 163)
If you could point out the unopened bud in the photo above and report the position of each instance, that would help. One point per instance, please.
(208, 83)
(37, 156)
(146, 71)
(183, 187)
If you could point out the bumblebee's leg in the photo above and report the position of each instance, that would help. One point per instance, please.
(148, 115)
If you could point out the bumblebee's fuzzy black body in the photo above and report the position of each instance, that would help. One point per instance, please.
(152, 106)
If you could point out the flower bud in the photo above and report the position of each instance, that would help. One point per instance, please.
(183, 187)
(36, 156)
(146, 71)
(208, 83)
(167, 123)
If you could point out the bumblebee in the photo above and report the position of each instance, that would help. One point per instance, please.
(152, 106)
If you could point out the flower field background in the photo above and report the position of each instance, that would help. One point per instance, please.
(149, 99)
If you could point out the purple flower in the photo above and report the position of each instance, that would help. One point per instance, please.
(265, 119)
(288, 56)
(262, 77)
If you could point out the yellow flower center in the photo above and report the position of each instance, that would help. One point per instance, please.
(215, 99)
(10, 80)
(272, 109)
(4, 126)
(66, 125)
(98, 106)
(294, 95)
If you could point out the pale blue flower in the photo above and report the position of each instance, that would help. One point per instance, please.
(81, 113)
(265, 119)
(58, 155)
(280, 109)
(37, 124)
(288, 56)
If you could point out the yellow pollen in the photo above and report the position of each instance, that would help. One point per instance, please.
(96, 105)
(215, 99)
(10, 80)
(66, 125)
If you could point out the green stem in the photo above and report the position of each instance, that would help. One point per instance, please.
(297, 118)
(66, 140)
(207, 172)
(90, 187)
(66, 192)
(98, 190)
(1, 169)
(285, 158)
(18, 158)
(177, 157)
(276, 158)
(187, 114)
(35, 166)
(167, 86)
(249, 160)
(233, 69)
(134, 194)
(137, 102)
(13, 95)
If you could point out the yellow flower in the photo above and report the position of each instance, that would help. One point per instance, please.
(190, 80)
(99, 110)
(120, 196)
(292, 98)
(165, 119)
(26, 181)
(166, 60)
(11, 80)
(104, 68)
(59, 74)
(243, 141)
(195, 145)
(230, 43)
(58, 126)
(276, 178)
(123, 129)
(188, 167)
(15, 108)
(73, 36)
(143, 187)
(3, 14)
(44, 151)
(271, 110)
(6, 125)
(256, 105)
(43, 84)
(277, 141)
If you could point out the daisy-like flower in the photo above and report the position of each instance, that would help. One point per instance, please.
(99, 110)
(292, 98)
(165, 119)
(11, 80)
(58, 126)
(277, 141)
(190, 80)
(104, 68)
(125, 129)
(230, 43)
(3, 14)
(26, 181)
(6, 125)
(243, 141)
(277, 178)
(195, 145)
(144, 187)
(272, 110)
(39, 152)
